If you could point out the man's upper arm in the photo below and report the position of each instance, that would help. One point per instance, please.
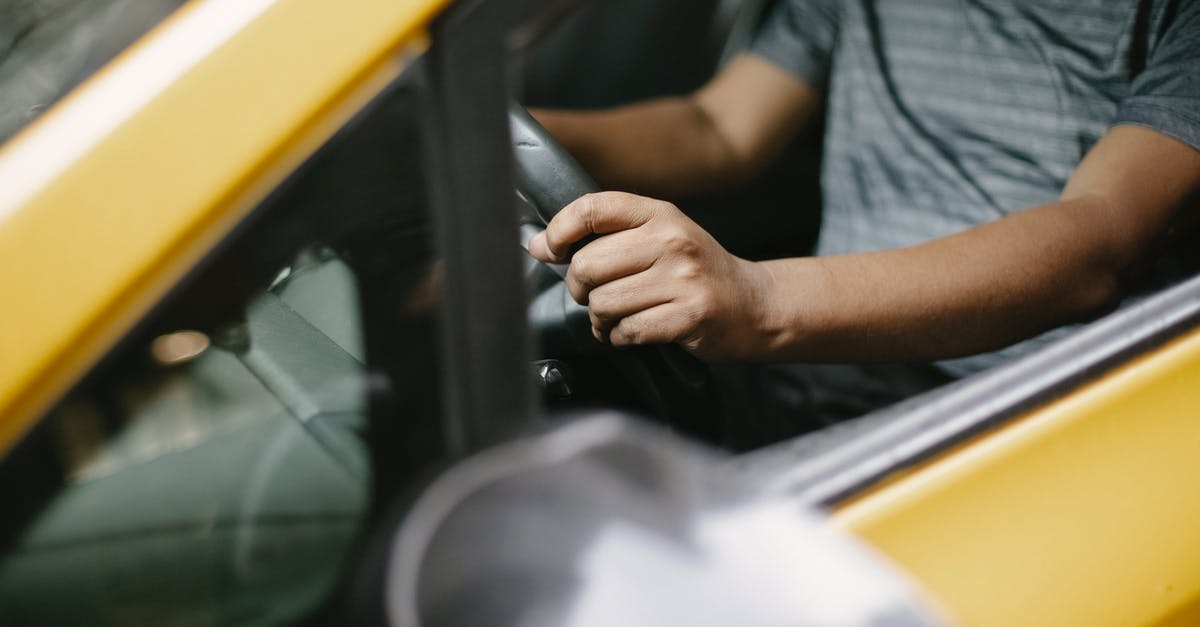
(1147, 168)
(1141, 179)
(761, 100)
(756, 108)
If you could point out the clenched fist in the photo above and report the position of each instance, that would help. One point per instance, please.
(656, 277)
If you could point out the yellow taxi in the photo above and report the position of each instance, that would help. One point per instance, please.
(263, 287)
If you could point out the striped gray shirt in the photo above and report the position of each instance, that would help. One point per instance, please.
(946, 114)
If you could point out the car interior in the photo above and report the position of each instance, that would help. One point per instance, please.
(311, 405)
(240, 457)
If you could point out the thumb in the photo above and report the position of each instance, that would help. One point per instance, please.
(541, 250)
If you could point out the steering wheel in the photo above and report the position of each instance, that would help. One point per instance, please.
(673, 384)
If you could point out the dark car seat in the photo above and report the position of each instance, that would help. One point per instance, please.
(622, 51)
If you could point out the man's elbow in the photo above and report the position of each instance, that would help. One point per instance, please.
(1097, 292)
(1108, 249)
(727, 160)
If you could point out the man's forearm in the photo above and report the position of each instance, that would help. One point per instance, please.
(997, 283)
(714, 139)
(971, 292)
(664, 147)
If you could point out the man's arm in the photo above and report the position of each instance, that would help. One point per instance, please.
(719, 137)
(659, 278)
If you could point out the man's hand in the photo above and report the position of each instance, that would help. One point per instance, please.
(655, 277)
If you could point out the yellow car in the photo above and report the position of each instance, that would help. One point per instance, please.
(263, 285)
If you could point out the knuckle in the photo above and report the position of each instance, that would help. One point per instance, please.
(688, 270)
(577, 290)
(627, 333)
(602, 314)
(589, 206)
(582, 268)
(599, 304)
(677, 240)
(671, 238)
(656, 205)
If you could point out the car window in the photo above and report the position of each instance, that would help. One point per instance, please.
(225, 464)
(48, 47)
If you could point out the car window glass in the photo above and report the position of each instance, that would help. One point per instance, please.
(48, 47)
(226, 463)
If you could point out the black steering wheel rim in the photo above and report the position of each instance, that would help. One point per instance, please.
(674, 384)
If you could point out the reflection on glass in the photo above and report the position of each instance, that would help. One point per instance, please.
(178, 347)
(48, 47)
(226, 465)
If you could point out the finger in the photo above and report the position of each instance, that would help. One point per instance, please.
(606, 259)
(626, 296)
(663, 324)
(599, 214)
(537, 248)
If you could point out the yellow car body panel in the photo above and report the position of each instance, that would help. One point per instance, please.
(110, 198)
(1085, 512)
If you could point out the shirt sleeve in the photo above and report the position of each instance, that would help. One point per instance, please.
(798, 36)
(1165, 95)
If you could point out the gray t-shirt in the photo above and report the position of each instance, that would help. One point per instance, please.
(946, 114)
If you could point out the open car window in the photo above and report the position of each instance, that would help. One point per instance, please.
(48, 47)
(223, 464)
